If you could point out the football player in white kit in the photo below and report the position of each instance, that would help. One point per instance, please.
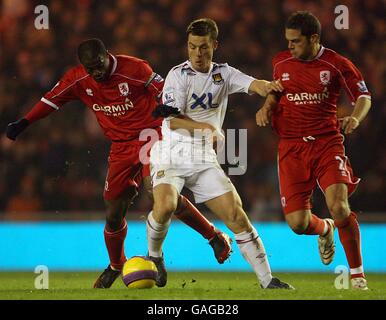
(198, 91)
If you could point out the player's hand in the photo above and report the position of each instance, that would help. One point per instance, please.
(164, 111)
(349, 124)
(15, 128)
(263, 116)
(274, 86)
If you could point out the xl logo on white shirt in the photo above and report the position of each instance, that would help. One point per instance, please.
(199, 101)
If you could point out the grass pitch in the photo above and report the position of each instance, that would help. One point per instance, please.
(187, 286)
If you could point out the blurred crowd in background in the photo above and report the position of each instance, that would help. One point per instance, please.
(59, 164)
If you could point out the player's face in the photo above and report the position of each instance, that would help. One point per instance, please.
(200, 50)
(299, 46)
(98, 68)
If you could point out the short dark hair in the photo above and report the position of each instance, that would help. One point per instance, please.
(306, 22)
(203, 27)
(90, 49)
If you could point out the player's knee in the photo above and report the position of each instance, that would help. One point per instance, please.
(166, 207)
(339, 208)
(114, 217)
(298, 226)
(237, 217)
(115, 213)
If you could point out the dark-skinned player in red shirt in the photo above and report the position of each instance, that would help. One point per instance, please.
(311, 151)
(122, 92)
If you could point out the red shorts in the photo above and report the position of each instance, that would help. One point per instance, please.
(126, 167)
(302, 165)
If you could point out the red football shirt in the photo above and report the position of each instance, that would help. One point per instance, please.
(122, 104)
(307, 106)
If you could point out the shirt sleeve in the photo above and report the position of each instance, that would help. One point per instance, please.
(63, 92)
(153, 81)
(239, 81)
(174, 92)
(352, 81)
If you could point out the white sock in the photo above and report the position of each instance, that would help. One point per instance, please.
(156, 234)
(253, 251)
(326, 226)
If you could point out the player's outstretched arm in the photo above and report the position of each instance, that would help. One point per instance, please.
(361, 108)
(39, 111)
(264, 87)
(15, 128)
(263, 116)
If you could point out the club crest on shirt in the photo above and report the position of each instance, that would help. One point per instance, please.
(124, 89)
(325, 77)
(217, 78)
(160, 174)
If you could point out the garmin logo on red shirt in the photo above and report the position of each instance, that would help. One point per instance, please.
(307, 97)
(115, 110)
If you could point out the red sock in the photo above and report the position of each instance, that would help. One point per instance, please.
(190, 215)
(316, 226)
(115, 246)
(349, 236)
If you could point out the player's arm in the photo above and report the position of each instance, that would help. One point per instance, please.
(61, 93)
(264, 87)
(184, 122)
(356, 89)
(39, 111)
(211, 132)
(361, 108)
(263, 116)
(241, 82)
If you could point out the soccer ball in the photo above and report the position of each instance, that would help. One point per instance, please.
(139, 272)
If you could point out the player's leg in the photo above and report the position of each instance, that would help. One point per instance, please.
(348, 230)
(121, 184)
(337, 180)
(297, 182)
(305, 222)
(191, 216)
(157, 226)
(215, 189)
(228, 207)
(115, 234)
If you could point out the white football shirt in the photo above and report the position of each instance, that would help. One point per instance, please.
(202, 97)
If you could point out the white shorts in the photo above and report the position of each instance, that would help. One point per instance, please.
(205, 183)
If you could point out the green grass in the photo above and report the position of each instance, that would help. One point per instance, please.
(187, 286)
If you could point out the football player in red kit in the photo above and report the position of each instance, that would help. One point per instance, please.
(311, 150)
(121, 91)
